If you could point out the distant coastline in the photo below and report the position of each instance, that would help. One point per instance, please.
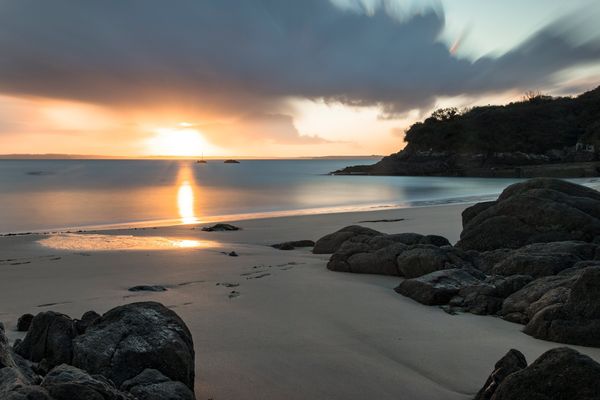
(52, 156)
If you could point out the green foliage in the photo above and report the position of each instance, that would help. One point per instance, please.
(535, 125)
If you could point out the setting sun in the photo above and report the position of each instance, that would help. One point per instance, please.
(181, 141)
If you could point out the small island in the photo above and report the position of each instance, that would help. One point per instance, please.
(231, 162)
(540, 136)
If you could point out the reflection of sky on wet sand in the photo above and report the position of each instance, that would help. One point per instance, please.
(97, 242)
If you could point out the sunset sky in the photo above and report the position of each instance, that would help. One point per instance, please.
(273, 77)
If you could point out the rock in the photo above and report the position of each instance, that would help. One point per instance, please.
(131, 338)
(487, 296)
(437, 288)
(560, 373)
(512, 362)
(6, 360)
(27, 392)
(423, 259)
(577, 321)
(543, 259)
(24, 322)
(435, 240)
(329, 244)
(152, 385)
(293, 244)
(10, 380)
(86, 320)
(232, 254)
(49, 337)
(66, 382)
(521, 306)
(147, 288)
(366, 259)
(538, 210)
(221, 228)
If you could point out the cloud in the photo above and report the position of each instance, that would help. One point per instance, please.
(247, 58)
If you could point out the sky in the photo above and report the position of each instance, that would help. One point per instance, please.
(273, 78)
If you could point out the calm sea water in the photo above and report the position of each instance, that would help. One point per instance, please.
(60, 194)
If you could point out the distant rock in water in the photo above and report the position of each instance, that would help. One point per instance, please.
(540, 136)
(231, 162)
(538, 210)
(220, 228)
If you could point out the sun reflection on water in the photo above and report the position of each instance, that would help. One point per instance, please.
(185, 203)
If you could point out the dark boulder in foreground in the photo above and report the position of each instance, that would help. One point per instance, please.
(558, 374)
(538, 210)
(329, 244)
(49, 338)
(152, 385)
(512, 361)
(221, 228)
(86, 320)
(24, 322)
(66, 382)
(131, 338)
(577, 321)
(293, 244)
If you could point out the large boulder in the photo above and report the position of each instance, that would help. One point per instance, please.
(512, 361)
(330, 243)
(66, 382)
(523, 304)
(486, 297)
(561, 374)
(437, 288)
(423, 259)
(538, 210)
(379, 254)
(49, 338)
(131, 338)
(152, 385)
(578, 320)
(543, 259)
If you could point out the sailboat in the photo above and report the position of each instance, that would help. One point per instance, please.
(202, 160)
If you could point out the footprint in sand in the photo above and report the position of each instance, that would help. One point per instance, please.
(228, 284)
(258, 276)
(233, 294)
(53, 304)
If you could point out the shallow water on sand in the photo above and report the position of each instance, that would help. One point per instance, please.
(37, 195)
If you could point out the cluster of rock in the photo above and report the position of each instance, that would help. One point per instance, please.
(140, 351)
(530, 257)
(560, 373)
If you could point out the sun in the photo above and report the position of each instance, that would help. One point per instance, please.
(184, 140)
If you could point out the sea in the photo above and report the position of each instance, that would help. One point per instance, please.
(61, 195)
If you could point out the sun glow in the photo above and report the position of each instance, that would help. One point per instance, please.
(185, 203)
(181, 141)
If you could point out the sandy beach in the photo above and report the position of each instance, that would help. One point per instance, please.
(290, 328)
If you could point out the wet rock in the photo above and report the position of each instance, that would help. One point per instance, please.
(535, 211)
(577, 321)
(232, 254)
(512, 362)
(131, 338)
(221, 228)
(330, 243)
(152, 385)
(560, 373)
(437, 288)
(293, 244)
(66, 382)
(49, 338)
(24, 322)
(487, 296)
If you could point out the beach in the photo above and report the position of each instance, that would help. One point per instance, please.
(272, 324)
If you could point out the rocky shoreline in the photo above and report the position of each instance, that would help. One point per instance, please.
(530, 257)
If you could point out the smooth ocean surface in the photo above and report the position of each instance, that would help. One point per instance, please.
(37, 195)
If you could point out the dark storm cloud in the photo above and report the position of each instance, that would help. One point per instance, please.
(249, 55)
